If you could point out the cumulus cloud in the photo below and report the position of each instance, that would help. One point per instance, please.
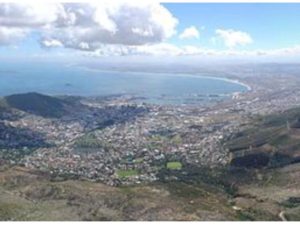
(51, 43)
(9, 36)
(18, 19)
(232, 38)
(29, 15)
(190, 32)
(87, 26)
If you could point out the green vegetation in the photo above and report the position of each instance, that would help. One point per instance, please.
(184, 190)
(7, 210)
(244, 216)
(127, 173)
(89, 140)
(291, 202)
(280, 119)
(174, 165)
(176, 139)
(43, 198)
(198, 197)
(283, 140)
(158, 141)
(254, 138)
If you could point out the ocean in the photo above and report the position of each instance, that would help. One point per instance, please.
(62, 79)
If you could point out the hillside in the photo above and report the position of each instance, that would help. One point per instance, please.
(259, 195)
(34, 103)
(31, 195)
(272, 140)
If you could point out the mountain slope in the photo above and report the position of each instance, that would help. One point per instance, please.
(271, 140)
(34, 103)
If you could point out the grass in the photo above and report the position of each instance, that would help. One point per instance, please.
(183, 190)
(242, 216)
(127, 173)
(174, 165)
(7, 211)
(283, 141)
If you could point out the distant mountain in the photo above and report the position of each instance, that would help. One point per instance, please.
(34, 103)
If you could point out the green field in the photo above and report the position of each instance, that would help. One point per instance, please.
(174, 165)
(127, 173)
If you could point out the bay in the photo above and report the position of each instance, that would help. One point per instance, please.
(63, 79)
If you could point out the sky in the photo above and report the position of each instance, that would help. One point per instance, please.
(250, 31)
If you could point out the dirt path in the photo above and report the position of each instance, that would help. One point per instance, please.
(282, 216)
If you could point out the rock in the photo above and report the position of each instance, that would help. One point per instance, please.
(236, 208)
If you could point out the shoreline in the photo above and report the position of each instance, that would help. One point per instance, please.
(247, 86)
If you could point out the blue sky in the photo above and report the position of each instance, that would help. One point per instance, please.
(218, 29)
(270, 25)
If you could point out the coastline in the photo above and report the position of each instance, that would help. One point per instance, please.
(247, 86)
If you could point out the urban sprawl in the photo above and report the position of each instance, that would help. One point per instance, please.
(116, 140)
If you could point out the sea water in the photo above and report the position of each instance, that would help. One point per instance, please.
(65, 79)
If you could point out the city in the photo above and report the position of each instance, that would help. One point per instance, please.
(104, 138)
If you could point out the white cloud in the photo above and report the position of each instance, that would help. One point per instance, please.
(9, 36)
(232, 38)
(190, 32)
(28, 15)
(110, 23)
(52, 43)
(87, 26)
(18, 19)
